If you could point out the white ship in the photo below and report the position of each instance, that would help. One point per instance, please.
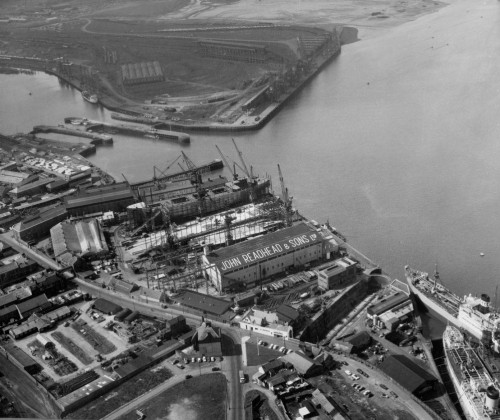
(476, 390)
(473, 314)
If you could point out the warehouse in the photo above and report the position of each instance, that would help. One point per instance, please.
(248, 263)
(80, 239)
(408, 374)
(145, 72)
(39, 226)
(115, 198)
(30, 189)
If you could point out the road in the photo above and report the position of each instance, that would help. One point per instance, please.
(35, 255)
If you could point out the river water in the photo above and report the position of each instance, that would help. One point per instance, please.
(396, 143)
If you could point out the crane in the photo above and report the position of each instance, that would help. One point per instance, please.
(235, 175)
(287, 199)
(247, 173)
(163, 173)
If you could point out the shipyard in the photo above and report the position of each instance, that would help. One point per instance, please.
(248, 210)
(151, 288)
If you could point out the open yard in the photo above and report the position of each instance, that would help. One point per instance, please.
(126, 392)
(198, 397)
(97, 341)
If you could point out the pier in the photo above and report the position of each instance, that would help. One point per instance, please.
(150, 132)
(97, 139)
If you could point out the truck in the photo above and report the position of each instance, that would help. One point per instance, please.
(242, 377)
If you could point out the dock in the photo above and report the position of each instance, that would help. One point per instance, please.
(150, 132)
(97, 138)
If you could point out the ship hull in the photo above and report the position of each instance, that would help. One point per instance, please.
(90, 97)
(433, 306)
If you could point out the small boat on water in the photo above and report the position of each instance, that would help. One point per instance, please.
(90, 97)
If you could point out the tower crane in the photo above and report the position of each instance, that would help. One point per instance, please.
(247, 173)
(163, 173)
(287, 199)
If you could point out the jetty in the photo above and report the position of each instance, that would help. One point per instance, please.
(150, 131)
(96, 138)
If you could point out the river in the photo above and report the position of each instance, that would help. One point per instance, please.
(396, 142)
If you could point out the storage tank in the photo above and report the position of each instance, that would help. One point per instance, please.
(491, 399)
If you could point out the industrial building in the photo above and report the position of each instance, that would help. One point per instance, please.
(408, 374)
(202, 302)
(115, 197)
(235, 51)
(391, 310)
(338, 274)
(145, 72)
(38, 227)
(74, 240)
(250, 262)
(32, 188)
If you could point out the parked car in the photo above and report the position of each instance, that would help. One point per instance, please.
(188, 376)
(383, 387)
(215, 369)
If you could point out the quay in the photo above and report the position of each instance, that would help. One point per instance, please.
(151, 132)
(97, 139)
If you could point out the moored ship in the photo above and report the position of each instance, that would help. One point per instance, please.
(473, 314)
(476, 390)
(90, 97)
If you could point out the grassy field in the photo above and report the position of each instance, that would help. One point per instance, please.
(72, 348)
(129, 390)
(201, 397)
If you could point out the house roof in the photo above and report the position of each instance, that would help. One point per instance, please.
(360, 339)
(286, 313)
(272, 365)
(206, 332)
(40, 302)
(406, 372)
(300, 362)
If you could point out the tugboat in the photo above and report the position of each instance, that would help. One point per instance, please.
(90, 97)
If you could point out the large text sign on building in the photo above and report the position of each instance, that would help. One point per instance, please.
(279, 247)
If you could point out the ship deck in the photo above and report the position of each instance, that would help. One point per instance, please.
(471, 374)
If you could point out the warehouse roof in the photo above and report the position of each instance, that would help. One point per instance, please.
(43, 217)
(106, 306)
(272, 244)
(32, 185)
(104, 194)
(206, 303)
(387, 303)
(18, 354)
(6, 300)
(80, 238)
(407, 373)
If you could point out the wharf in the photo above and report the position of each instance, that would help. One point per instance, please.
(151, 132)
(96, 138)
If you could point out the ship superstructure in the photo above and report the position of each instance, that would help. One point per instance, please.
(476, 315)
(477, 392)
